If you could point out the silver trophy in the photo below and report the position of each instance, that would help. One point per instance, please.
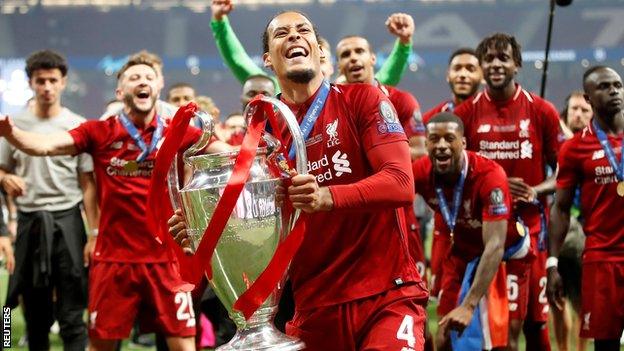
(253, 231)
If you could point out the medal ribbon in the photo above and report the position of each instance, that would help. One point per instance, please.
(310, 117)
(606, 146)
(136, 135)
(450, 215)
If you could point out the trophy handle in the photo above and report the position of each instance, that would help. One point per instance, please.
(301, 157)
(173, 179)
(207, 133)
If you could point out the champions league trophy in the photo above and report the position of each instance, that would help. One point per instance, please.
(253, 231)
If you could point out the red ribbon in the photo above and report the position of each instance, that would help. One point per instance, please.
(160, 210)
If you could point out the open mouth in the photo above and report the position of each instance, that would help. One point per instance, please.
(143, 94)
(443, 160)
(296, 51)
(356, 69)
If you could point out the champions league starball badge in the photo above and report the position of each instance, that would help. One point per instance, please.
(387, 112)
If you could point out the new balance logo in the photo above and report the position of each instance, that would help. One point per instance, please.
(484, 128)
(341, 163)
(598, 154)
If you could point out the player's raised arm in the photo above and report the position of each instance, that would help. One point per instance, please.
(232, 51)
(36, 144)
(400, 25)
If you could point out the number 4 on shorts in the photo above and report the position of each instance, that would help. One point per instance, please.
(406, 332)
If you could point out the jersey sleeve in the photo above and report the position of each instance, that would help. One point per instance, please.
(494, 195)
(375, 116)
(394, 66)
(84, 136)
(421, 175)
(569, 169)
(233, 53)
(409, 115)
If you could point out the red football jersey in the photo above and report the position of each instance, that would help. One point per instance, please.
(441, 107)
(521, 134)
(582, 162)
(350, 253)
(122, 192)
(408, 110)
(486, 197)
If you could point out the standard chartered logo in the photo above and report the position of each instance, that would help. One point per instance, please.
(341, 163)
(526, 149)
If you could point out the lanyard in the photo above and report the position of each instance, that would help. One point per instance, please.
(136, 136)
(313, 112)
(606, 146)
(450, 215)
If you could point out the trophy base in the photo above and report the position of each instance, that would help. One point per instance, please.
(262, 337)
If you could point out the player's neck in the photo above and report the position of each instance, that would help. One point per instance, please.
(47, 111)
(503, 94)
(138, 118)
(299, 93)
(613, 124)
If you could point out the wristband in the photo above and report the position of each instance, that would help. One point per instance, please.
(95, 232)
(13, 217)
(552, 262)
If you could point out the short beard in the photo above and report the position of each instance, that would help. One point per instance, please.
(301, 77)
(129, 102)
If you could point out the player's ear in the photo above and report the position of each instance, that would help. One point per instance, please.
(464, 142)
(267, 60)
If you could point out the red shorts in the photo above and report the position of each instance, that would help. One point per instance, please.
(393, 320)
(453, 269)
(414, 241)
(538, 308)
(439, 252)
(121, 292)
(518, 272)
(602, 306)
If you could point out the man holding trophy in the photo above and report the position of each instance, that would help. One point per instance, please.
(355, 284)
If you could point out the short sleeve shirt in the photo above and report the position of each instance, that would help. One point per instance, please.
(485, 197)
(123, 190)
(582, 162)
(520, 134)
(52, 181)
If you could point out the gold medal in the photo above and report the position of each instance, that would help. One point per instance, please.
(520, 228)
(131, 166)
(620, 189)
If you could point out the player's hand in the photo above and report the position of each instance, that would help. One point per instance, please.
(89, 249)
(402, 26)
(6, 249)
(280, 195)
(521, 191)
(13, 185)
(6, 125)
(554, 288)
(177, 229)
(306, 195)
(458, 319)
(221, 8)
